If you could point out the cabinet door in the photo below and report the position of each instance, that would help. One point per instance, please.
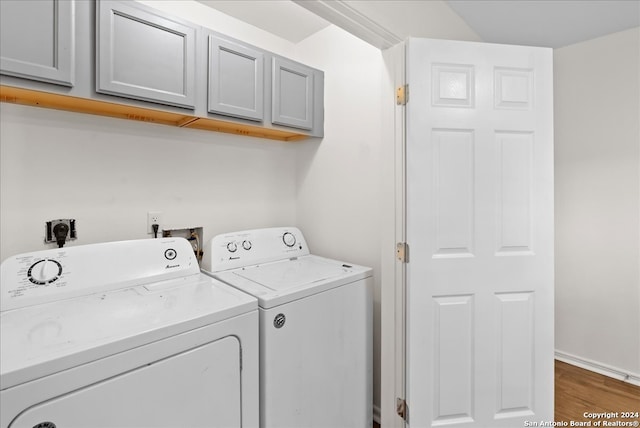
(37, 40)
(292, 94)
(144, 55)
(236, 79)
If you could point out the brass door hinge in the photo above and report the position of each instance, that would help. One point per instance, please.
(402, 95)
(401, 409)
(402, 252)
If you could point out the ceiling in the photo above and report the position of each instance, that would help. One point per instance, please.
(283, 18)
(546, 23)
(549, 23)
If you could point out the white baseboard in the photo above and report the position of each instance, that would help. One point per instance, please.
(376, 414)
(600, 368)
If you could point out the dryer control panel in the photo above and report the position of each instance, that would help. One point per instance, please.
(252, 247)
(44, 276)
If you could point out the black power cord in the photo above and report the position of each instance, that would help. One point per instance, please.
(60, 231)
(155, 230)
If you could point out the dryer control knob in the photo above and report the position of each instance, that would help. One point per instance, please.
(44, 271)
(232, 247)
(289, 239)
(246, 245)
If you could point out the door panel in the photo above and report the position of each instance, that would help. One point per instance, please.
(514, 348)
(453, 191)
(453, 357)
(513, 210)
(480, 228)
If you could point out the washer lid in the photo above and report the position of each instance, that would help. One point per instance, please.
(284, 281)
(43, 339)
(288, 274)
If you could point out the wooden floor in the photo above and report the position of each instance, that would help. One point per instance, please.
(578, 391)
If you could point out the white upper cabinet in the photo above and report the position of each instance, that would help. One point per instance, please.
(236, 79)
(292, 94)
(145, 55)
(37, 40)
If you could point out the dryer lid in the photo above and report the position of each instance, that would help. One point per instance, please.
(289, 274)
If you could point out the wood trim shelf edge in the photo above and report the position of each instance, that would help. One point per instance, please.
(10, 94)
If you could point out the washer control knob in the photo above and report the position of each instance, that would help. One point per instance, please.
(246, 245)
(289, 239)
(44, 271)
(232, 247)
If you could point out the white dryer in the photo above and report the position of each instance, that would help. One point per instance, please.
(124, 334)
(315, 327)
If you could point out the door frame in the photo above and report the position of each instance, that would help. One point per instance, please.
(393, 271)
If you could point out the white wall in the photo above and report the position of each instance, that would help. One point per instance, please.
(338, 194)
(597, 138)
(108, 173)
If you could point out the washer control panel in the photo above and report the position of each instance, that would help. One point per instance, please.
(251, 247)
(44, 276)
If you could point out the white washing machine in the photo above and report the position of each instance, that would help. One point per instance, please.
(315, 327)
(124, 334)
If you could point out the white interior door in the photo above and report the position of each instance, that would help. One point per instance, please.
(480, 230)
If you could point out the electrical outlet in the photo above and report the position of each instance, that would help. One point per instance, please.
(50, 229)
(154, 217)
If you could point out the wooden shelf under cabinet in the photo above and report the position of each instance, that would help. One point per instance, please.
(29, 97)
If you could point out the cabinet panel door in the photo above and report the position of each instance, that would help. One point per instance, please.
(292, 94)
(37, 40)
(144, 55)
(236, 79)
